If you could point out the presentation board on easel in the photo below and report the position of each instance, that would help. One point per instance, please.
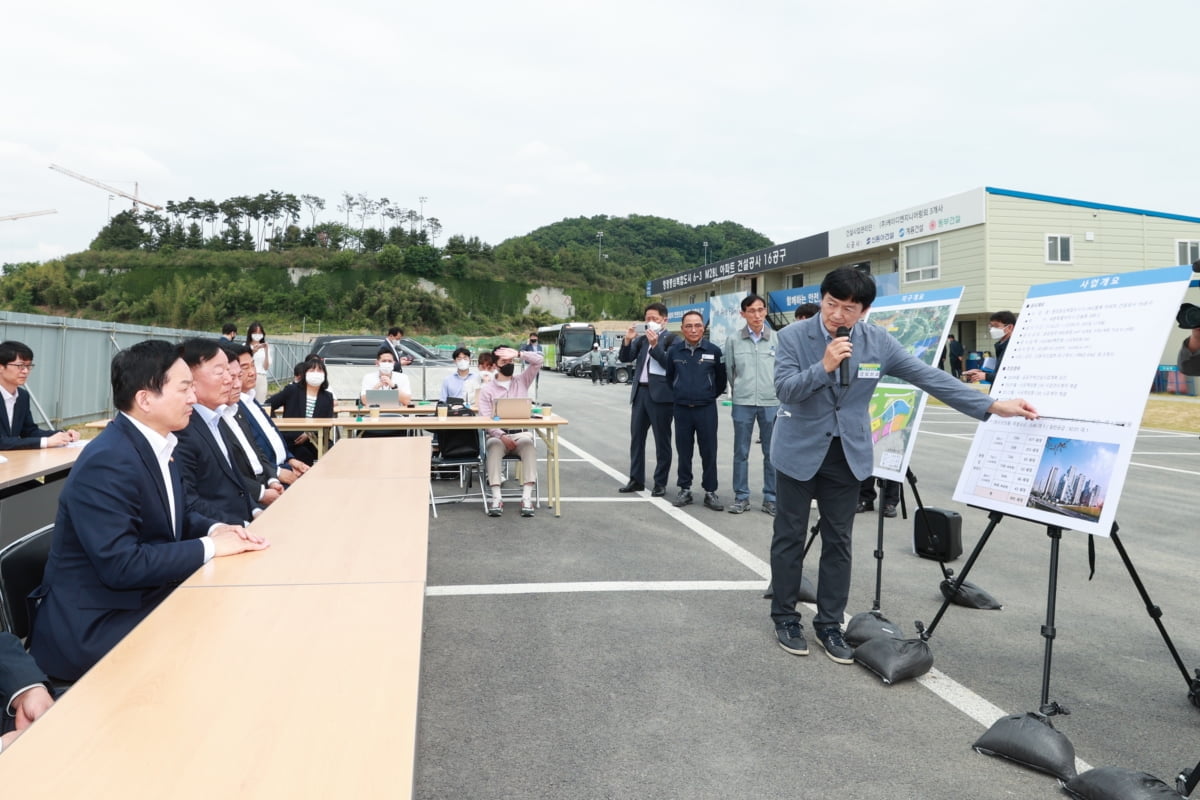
(920, 322)
(1084, 352)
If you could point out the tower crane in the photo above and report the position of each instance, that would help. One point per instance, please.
(28, 214)
(106, 187)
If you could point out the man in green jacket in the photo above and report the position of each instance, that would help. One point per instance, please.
(750, 361)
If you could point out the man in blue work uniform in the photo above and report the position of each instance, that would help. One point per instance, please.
(696, 375)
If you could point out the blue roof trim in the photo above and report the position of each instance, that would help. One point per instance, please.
(1066, 201)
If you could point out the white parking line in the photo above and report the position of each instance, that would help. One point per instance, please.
(960, 697)
(595, 586)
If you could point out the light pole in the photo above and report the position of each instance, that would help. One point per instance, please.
(706, 253)
(423, 200)
(110, 199)
(599, 247)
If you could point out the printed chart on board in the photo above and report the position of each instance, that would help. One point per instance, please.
(920, 321)
(1084, 353)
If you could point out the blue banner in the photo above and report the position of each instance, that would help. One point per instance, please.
(675, 313)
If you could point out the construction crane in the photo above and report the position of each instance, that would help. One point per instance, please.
(106, 187)
(28, 214)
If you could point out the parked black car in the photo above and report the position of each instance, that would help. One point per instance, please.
(363, 349)
(615, 372)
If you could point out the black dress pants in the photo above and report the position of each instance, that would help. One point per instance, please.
(836, 491)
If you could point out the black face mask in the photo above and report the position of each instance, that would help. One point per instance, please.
(507, 370)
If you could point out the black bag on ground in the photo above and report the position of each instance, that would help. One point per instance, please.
(868, 625)
(894, 660)
(1114, 783)
(1031, 741)
(969, 595)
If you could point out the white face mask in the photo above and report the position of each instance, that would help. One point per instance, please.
(257, 337)
(386, 367)
(996, 333)
(463, 364)
(314, 378)
(652, 326)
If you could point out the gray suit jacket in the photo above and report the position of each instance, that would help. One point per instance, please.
(813, 406)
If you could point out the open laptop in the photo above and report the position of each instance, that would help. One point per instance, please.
(385, 398)
(514, 407)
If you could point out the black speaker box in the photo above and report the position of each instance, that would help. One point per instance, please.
(937, 534)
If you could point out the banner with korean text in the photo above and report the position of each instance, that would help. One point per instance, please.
(1084, 352)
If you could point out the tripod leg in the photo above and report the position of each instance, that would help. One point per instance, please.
(879, 548)
(1048, 708)
(1156, 614)
(993, 520)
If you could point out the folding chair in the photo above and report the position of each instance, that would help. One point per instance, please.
(461, 452)
(22, 565)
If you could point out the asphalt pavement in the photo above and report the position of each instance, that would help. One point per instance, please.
(624, 650)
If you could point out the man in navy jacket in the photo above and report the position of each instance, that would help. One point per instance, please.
(206, 453)
(125, 535)
(17, 429)
(268, 438)
(697, 377)
(24, 691)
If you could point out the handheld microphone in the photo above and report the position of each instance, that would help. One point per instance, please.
(844, 367)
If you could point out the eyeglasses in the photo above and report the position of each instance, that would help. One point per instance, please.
(21, 366)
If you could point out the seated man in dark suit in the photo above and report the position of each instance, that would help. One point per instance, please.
(125, 534)
(246, 455)
(17, 429)
(206, 452)
(24, 690)
(268, 437)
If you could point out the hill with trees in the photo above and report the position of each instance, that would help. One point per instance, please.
(201, 262)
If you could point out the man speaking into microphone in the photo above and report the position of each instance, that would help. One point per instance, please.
(826, 369)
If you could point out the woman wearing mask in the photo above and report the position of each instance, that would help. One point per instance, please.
(455, 385)
(256, 340)
(307, 399)
(384, 376)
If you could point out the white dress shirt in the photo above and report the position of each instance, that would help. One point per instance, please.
(163, 447)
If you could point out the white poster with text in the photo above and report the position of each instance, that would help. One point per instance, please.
(1084, 352)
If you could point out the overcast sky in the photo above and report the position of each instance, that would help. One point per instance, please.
(788, 117)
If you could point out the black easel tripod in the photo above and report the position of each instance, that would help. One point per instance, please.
(1048, 630)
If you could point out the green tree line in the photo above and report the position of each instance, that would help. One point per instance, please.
(201, 263)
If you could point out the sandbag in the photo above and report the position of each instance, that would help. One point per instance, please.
(868, 625)
(1031, 741)
(894, 660)
(969, 595)
(1114, 783)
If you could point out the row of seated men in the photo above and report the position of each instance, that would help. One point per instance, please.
(189, 460)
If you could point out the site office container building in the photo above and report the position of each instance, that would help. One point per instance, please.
(996, 243)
